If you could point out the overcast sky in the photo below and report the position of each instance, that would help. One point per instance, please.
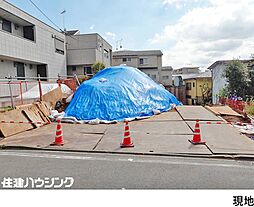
(189, 32)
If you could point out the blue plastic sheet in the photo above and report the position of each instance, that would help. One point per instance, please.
(117, 93)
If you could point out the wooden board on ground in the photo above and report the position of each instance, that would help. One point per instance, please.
(34, 115)
(9, 129)
(53, 96)
(43, 108)
(223, 110)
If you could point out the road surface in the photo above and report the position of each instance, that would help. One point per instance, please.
(112, 171)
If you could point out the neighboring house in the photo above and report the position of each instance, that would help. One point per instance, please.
(186, 70)
(218, 81)
(166, 75)
(198, 87)
(83, 50)
(29, 47)
(148, 61)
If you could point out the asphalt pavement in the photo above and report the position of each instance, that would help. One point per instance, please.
(112, 171)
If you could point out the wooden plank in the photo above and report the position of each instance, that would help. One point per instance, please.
(223, 110)
(43, 112)
(11, 129)
(53, 96)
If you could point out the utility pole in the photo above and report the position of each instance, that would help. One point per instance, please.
(63, 13)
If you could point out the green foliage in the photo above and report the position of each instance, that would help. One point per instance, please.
(237, 76)
(250, 109)
(97, 66)
(223, 92)
(83, 78)
(206, 93)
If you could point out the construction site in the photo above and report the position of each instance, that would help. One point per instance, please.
(135, 116)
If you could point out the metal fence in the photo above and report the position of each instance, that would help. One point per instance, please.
(11, 91)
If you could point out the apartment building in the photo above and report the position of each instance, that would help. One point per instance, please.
(186, 70)
(83, 50)
(29, 47)
(166, 76)
(148, 61)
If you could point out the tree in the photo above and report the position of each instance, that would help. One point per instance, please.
(97, 66)
(206, 93)
(237, 77)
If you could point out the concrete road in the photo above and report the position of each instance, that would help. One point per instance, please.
(107, 171)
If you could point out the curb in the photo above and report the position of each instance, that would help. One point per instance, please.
(204, 156)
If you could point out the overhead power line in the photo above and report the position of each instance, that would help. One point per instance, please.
(45, 15)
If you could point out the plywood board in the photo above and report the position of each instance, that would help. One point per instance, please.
(9, 129)
(190, 113)
(53, 96)
(166, 116)
(225, 139)
(223, 110)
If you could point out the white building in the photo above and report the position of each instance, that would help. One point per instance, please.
(29, 47)
(218, 81)
(148, 61)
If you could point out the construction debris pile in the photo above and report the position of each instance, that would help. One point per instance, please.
(24, 118)
(119, 93)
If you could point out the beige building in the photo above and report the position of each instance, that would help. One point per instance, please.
(83, 50)
(148, 61)
(186, 70)
(166, 75)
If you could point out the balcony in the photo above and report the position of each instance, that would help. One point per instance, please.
(16, 26)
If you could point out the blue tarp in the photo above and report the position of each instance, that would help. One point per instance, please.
(117, 93)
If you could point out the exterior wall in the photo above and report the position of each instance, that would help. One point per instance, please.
(152, 73)
(196, 90)
(166, 76)
(40, 51)
(186, 71)
(86, 49)
(7, 69)
(219, 82)
(134, 61)
(153, 61)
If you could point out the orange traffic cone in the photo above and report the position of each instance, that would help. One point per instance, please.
(197, 136)
(59, 135)
(127, 137)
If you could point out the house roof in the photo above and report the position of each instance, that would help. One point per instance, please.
(225, 62)
(206, 74)
(167, 68)
(187, 68)
(72, 32)
(137, 53)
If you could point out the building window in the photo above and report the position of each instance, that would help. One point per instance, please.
(188, 86)
(129, 59)
(166, 77)
(28, 32)
(59, 45)
(88, 71)
(193, 85)
(106, 54)
(6, 25)
(143, 61)
(124, 59)
(20, 71)
(73, 68)
(153, 77)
